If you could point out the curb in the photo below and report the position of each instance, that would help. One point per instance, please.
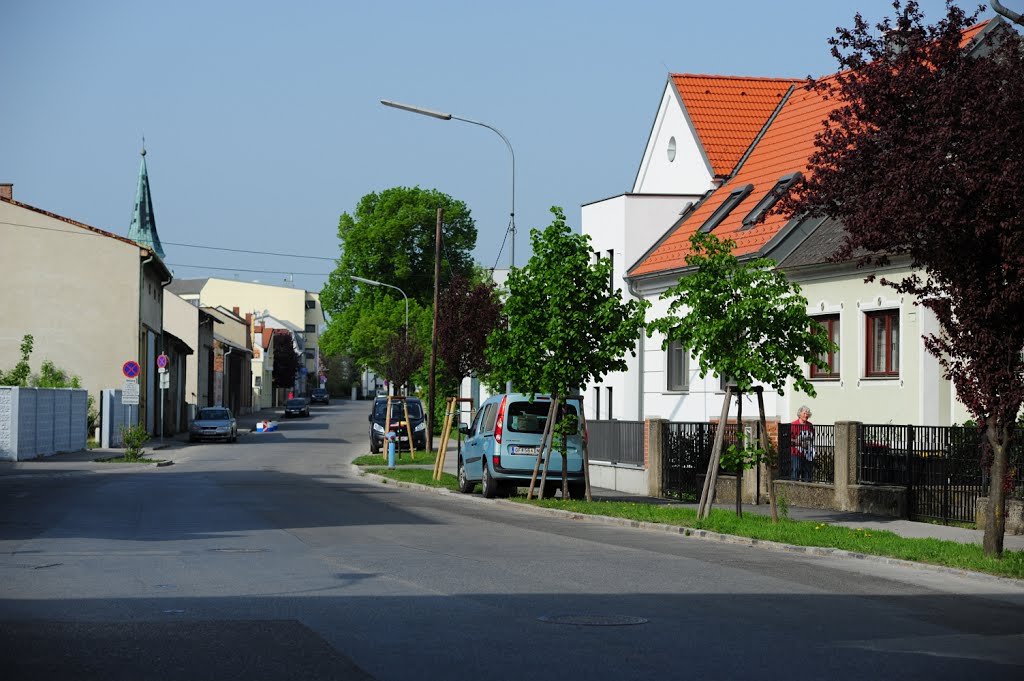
(692, 533)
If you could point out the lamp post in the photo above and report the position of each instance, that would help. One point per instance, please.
(449, 117)
(444, 116)
(371, 282)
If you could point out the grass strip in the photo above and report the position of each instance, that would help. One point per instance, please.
(805, 533)
(401, 459)
(797, 532)
(420, 476)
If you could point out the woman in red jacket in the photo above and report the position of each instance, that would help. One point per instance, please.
(801, 452)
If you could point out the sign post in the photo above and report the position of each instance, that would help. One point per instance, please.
(130, 393)
(165, 383)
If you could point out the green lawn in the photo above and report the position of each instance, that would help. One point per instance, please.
(402, 459)
(800, 533)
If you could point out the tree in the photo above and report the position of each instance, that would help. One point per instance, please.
(565, 326)
(286, 360)
(742, 319)
(390, 239)
(924, 158)
(467, 314)
(18, 376)
(402, 357)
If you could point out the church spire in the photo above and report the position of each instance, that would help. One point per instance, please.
(143, 227)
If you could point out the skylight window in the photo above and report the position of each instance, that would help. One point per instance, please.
(770, 199)
(735, 197)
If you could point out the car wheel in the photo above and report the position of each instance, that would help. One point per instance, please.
(374, 449)
(191, 439)
(465, 485)
(490, 485)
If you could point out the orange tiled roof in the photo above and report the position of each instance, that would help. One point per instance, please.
(785, 148)
(728, 112)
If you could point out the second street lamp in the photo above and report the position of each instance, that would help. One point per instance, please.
(372, 282)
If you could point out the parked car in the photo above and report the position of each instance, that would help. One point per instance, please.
(213, 423)
(297, 406)
(379, 428)
(504, 440)
(320, 396)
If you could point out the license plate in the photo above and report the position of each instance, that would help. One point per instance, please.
(405, 439)
(524, 451)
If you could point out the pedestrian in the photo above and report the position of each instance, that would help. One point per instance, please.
(801, 445)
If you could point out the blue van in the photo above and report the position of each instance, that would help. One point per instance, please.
(504, 440)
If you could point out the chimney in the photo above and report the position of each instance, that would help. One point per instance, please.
(235, 310)
(7, 191)
(248, 319)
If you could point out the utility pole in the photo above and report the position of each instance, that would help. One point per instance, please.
(433, 334)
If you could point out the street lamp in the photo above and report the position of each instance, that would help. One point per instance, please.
(448, 117)
(371, 282)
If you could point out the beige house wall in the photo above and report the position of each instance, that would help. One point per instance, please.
(181, 318)
(282, 302)
(76, 291)
(919, 395)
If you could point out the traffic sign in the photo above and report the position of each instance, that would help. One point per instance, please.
(161, 361)
(130, 394)
(131, 369)
(165, 381)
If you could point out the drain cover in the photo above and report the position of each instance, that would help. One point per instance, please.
(593, 620)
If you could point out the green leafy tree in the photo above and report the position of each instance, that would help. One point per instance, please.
(390, 238)
(18, 376)
(565, 326)
(742, 319)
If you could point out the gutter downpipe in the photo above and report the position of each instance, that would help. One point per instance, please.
(630, 285)
(142, 337)
(1008, 13)
(231, 348)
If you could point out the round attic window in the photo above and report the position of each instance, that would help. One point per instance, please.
(671, 149)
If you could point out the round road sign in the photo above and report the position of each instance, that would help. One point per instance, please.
(131, 369)
(161, 361)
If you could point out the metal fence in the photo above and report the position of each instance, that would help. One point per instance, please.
(822, 467)
(686, 450)
(616, 441)
(942, 467)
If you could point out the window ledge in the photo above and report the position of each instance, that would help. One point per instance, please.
(675, 392)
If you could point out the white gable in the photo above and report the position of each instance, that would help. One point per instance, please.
(688, 170)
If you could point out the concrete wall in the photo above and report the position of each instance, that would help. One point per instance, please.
(38, 422)
(75, 290)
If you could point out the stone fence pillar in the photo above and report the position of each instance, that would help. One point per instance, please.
(654, 455)
(845, 464)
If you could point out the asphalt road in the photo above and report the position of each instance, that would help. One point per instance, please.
(269, 559)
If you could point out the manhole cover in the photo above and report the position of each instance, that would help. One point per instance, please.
(593, 620)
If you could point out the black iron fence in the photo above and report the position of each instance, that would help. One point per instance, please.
(815, 455)
(616, 441)
(944, 468)
(686, 451)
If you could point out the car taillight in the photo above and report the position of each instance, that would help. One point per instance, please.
(496, 459)
(501, 419)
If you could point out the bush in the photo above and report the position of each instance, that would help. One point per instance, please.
(133, 438)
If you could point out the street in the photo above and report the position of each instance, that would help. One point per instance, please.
(270, 559)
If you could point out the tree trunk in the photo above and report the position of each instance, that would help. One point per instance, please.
(742, 446)
(544, 447)
(553, 418)
(766, 446)
(999, 436)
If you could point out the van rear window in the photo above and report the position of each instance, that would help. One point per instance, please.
(530, 417)
(397, 411)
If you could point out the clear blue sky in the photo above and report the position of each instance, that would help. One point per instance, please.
(262, 120)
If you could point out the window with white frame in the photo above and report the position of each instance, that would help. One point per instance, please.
(829, 326)
(882, 343)
(676, 367)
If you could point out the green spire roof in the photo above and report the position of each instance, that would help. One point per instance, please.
(143, 227)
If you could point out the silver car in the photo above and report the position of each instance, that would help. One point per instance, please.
(213, 423)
